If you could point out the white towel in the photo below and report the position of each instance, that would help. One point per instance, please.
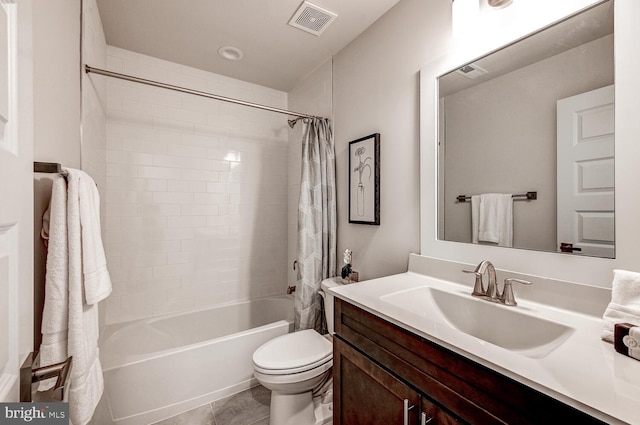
(625, 302)
(56, 295)
(475, 217)
(97, 283)
(70, 325)
(495, 219)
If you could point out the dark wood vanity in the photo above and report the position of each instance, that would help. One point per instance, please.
(386, 375)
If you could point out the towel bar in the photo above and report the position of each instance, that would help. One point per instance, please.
(30, 373)
(49, 168)
(529, 196)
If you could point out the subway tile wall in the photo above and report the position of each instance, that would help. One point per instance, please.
(196, 191)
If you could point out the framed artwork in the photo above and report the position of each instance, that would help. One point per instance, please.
(364, 180)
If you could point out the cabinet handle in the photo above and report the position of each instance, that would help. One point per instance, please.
(424, 420)
(406, 411)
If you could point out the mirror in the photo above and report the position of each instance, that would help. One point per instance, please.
(534, 116)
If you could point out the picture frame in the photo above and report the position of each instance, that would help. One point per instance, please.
(364, 180)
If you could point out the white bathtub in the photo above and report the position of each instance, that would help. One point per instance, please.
(157, 368)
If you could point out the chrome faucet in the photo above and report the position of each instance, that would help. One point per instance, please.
(478, 289)
(492, 293)
(507, 297)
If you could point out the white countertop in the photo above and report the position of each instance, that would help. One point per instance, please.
(584, 371)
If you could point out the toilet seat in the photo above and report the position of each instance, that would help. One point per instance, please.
(296, 352)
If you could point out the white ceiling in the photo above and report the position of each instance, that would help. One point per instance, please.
(275, 54)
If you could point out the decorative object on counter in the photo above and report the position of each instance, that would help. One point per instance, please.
(348, 274)
(364, 180)
(625, 303)
(627, 340)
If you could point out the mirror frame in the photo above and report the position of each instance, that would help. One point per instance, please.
(589, 270)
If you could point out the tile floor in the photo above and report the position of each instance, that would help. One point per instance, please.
(250, 407)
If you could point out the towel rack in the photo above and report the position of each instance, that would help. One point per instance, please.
(49, 167)
(529, 196)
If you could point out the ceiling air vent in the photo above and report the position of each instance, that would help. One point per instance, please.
(312, 18)
(471, 71)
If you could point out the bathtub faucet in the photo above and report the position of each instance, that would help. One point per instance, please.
(291, 289)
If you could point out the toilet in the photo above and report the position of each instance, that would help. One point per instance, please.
(296, 367)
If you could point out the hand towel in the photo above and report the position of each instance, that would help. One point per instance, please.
(625, 302)
(495, 222)
(475, 217)
(97, 283)
(55, 315)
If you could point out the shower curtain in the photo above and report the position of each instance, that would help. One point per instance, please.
(316, 222)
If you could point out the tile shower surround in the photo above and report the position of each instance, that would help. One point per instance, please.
(196, 191)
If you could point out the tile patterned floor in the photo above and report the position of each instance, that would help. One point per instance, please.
(250, 407)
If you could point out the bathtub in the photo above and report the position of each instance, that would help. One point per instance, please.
(156, 368)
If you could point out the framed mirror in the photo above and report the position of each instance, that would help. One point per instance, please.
(534, 121)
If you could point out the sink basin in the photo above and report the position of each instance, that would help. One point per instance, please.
(500, 325)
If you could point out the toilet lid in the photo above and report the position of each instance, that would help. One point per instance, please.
(302, 349)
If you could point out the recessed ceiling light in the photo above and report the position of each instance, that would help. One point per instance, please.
(230, 53)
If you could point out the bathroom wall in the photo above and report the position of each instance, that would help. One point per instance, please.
(482, 143)
(56, 113)
(196, 202)
(93, 124)
(94, 99)
(376, 90)
(313, 96)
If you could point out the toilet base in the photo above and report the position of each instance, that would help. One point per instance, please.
(300, 409)
(291, 409)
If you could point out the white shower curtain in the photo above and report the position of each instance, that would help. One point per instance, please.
(316, 221)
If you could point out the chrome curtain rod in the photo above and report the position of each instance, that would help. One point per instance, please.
(89, 69)
(529, 196)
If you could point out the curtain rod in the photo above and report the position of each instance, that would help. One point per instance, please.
(89, 69)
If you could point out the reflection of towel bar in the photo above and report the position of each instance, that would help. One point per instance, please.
(529, 196)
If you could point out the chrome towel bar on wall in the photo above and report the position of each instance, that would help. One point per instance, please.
(529, 196)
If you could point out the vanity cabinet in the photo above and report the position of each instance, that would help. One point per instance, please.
(378, 365)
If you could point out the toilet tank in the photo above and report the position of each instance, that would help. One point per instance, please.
(328, 299)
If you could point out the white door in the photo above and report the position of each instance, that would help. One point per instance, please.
(586, 172)
(16, 193)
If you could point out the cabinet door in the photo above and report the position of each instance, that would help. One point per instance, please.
(366, 394)
(430, 414)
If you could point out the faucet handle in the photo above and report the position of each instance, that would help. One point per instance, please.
(478, 287)
(507, 296)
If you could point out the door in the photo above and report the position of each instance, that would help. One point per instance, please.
(366, 394)
(16, 194)
(586, 172)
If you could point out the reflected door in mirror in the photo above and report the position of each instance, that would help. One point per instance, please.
(586, 172)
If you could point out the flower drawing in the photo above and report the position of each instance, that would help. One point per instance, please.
(362, 164)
